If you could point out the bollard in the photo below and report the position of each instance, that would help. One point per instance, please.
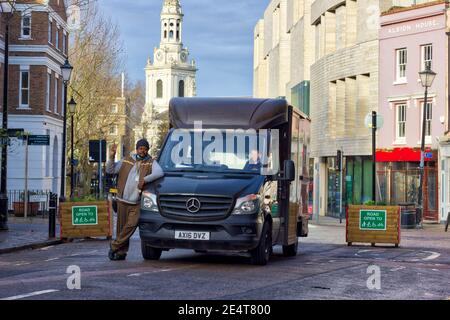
(52, 215)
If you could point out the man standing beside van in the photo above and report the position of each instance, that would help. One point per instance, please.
(133, 173)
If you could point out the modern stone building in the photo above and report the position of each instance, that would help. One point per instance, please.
(344, 90)
(323, 55)
(38, 48)
(283, 52)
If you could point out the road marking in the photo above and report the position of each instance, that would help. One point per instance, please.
(46, 248)
(150, 272)
(87, 274)
(434, 255)
(398, 269)
(32, 294)
(22, 263)
(52, 259)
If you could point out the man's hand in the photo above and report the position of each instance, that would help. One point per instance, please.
(141, 184)
(112, 153)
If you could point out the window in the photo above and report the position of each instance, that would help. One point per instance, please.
(114, 108)
(61, 108)
(426, 56)
(113, 129)
(24, 88)
(159, 89)
(57, 38)
(50, 31)
(55, 106)
(428, 118)
(47, 92)
(26, 26)
(402, 59)
(401, 122)
(181, 89)
(64, 42)
(171, 34)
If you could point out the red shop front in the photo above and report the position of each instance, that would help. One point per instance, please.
(398, 178)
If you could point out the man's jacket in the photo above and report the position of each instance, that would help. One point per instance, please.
(131, 171)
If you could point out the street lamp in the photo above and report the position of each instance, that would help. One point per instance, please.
(426, 77)
(66, 71)
(4, 152)
(72, 110)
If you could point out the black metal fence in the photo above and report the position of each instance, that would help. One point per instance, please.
(38, 203)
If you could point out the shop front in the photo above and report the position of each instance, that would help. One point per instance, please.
(357, 183)
(398, 179)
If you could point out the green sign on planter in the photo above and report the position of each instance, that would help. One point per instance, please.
(84, 216)
(372, 220)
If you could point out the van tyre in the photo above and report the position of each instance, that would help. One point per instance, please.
(291, 250)
(261, 254)
(149, 253)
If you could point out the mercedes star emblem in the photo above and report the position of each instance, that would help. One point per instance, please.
(193, 205)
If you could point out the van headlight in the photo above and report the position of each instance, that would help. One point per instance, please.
(149, 202)
(247, 205)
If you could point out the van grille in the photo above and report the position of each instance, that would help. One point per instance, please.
(213, 207)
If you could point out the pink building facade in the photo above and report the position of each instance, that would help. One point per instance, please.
(410, 38)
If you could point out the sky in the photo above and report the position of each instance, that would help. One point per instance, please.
(218, 34)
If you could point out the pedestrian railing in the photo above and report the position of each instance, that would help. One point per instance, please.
(38, 203)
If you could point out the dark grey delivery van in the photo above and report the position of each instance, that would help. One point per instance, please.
(236, 179)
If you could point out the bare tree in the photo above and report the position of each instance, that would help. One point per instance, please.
(97, 57)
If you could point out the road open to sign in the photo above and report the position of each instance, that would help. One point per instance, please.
(84, 216)
(372, 220)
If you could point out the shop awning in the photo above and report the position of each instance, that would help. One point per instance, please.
(404, 155)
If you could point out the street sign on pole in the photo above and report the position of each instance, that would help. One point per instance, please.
(94, 149)
(15, 132)
(38, 140)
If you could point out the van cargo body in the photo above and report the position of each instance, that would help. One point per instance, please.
(248, 193)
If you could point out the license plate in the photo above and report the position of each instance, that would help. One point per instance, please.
(192, 235)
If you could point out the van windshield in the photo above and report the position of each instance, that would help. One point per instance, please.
(234, 151)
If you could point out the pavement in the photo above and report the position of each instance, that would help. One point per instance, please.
(324, 268)
(26, 234)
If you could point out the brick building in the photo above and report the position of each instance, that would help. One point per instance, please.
(38, 48)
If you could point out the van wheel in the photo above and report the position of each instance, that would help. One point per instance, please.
(149, 253)
(291, 250)
(261, 254)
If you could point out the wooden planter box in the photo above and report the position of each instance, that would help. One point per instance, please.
(373, 224)
(80, 220)
(19, 209)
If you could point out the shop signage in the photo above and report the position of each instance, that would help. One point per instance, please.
(374, 220)
(84, 216)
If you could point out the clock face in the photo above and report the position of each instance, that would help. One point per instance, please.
(183, 56)
(159, 55)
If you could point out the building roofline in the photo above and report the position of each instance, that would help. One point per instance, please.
(394, 10)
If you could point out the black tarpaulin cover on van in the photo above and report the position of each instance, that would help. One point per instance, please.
(222, 113)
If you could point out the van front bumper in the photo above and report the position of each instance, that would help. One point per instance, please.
(235, 233)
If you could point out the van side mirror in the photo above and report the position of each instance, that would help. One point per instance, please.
(289, 170)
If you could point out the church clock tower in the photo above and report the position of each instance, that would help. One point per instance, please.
(172, 73)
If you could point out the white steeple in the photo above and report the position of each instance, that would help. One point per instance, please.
(171, 23)
(171, 73)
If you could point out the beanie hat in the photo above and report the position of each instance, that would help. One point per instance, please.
(142, 143)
